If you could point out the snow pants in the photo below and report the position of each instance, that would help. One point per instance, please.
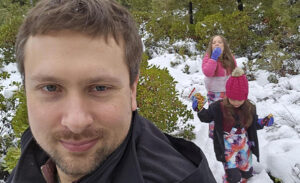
(238, 156)
(212, 97)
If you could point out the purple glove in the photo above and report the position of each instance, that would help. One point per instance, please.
(216, 53)
(266, 121)
(195, 104)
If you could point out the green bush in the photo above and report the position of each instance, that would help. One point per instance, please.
(11, 158)
(272, 78)
(19, 125)
(250, 68)
(20, 119)
(186, 69)
(158, 101)
(6, 141)
(161, 26)
(234, 27)
(274, 59)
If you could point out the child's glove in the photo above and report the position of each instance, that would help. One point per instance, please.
(216, 53)
(195, 103)
(198, 102)
(266, 121)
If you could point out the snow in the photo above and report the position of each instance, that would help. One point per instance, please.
(8, 89)
(279, 144)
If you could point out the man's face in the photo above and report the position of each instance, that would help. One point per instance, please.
(79, 98)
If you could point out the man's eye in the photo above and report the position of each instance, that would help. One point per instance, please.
(50, 88)
(100, 88)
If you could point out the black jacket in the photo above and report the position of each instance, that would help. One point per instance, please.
(146, 156)
(214, 113)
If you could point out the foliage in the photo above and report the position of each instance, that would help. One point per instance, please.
(158, 101)
(246, 31)
(234, 27)
(167, 25)
(20, 118)
(186, 69)
(274, 179)
(136, 5)
(5, 142)
(19, 124)
(250, 68)
(11, 15)
(209, 7)
(274, 59)
(11, 158)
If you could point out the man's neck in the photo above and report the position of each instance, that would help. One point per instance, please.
(64, 178)
(53, 174)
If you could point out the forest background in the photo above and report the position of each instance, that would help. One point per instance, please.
(264, 31)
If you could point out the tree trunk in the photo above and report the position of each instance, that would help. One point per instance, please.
(240, 5)
(191, 12)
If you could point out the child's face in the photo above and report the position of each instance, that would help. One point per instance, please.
(236, 103)
(217, 42)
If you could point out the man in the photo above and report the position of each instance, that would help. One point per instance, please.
(80, 63)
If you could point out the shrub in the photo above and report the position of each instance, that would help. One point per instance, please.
(186, 69)
(158, 101)
(19, 125)
(11, 158)
(175, 63)
(249, 67)
(166, 25)
(234, 27)
(272, 78)
(20, 119)
(274, 59)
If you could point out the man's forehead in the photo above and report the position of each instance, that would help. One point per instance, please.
(109, 38)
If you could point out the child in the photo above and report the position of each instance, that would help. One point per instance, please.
(217, 65)
(236, 122)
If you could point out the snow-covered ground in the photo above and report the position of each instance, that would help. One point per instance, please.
(279, 144)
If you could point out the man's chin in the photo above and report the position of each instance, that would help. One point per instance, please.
(76, 166)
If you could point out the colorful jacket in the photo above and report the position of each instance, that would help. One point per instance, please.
(214, 113)
(146, 156)
(215, 74)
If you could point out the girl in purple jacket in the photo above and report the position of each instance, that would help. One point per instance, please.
(217, 65)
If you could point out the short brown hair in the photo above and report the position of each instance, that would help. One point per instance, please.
(227, 57)
(94, 18)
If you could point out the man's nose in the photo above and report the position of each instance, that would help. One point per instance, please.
(77, 116)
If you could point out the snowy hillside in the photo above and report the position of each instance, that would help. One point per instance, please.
(279, 144)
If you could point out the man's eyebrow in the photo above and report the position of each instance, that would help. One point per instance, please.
(45, 78)
(104, 78)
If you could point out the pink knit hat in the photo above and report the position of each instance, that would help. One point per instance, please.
(237, 85)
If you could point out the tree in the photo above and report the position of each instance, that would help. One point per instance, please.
(240, 5)
(158, 101)
(11, 16)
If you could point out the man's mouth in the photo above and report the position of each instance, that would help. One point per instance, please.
(79, 146)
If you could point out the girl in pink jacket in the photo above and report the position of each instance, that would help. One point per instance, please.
(217, 65)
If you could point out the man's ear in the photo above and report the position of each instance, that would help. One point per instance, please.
(133, 93)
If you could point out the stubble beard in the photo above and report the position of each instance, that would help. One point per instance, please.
(76, 164)
(79, 166)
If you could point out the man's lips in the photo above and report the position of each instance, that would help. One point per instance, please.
(81, 146)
